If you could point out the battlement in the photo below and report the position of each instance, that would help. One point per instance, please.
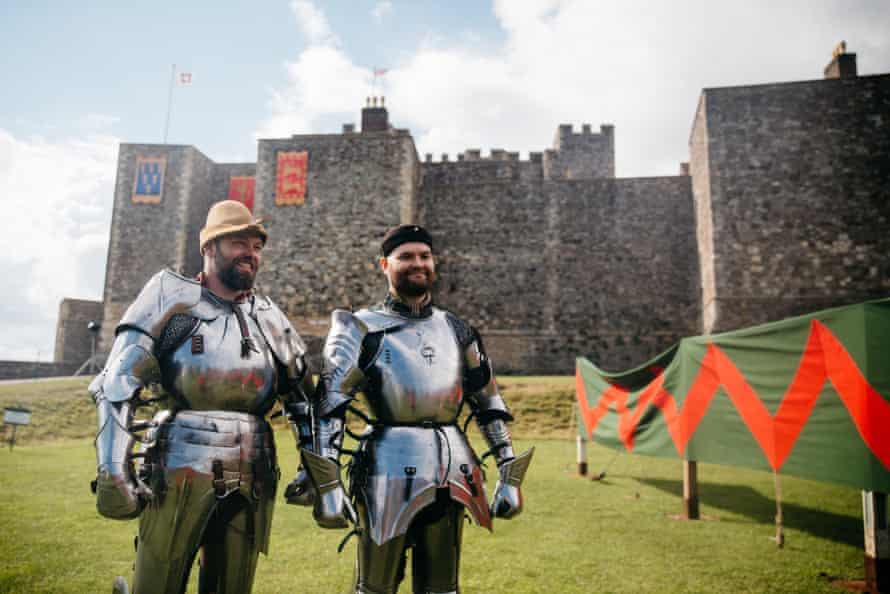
(474, 155)
(575, 155)
(566, 135)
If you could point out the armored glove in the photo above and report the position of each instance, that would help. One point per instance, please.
(120, 493)
(117, 495)
(300, 491)
(507, 500)
(331, 508)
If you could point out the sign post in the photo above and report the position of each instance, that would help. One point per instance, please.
(15, 416)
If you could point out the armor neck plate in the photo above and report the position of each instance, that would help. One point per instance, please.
(392, 304)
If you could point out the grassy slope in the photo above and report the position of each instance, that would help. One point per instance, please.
(62, 409)
(575, 535)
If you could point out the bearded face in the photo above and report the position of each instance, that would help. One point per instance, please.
(410, 269)
(237, 274)
(413, 283)
(236, 262)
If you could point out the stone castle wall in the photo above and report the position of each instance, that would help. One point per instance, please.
(797, 185)
(11, 370)
(322, 254)
(550, 270)
(73, 338)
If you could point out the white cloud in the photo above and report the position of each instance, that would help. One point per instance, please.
(57, 198)
(381, 10)
(97, 121)
(298, 108)
(312, 23)
(638, 65)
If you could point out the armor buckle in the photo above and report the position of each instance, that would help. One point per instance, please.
(219, 482)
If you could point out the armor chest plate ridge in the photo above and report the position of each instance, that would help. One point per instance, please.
(416, 375)
(207, 371)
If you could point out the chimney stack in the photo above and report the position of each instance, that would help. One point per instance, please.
(842, 65)
(374, 118)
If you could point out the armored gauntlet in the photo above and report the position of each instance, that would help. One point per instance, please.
(300, 491)
(340, 379)
(492, 416)
(331, 508)
(131, 366)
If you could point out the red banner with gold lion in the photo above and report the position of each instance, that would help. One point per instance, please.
(290, 184)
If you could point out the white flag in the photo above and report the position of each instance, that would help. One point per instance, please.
(185, 78)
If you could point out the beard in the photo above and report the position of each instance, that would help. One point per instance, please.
(405, 285)
(231, 276)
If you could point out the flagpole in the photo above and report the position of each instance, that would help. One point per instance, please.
(169, 101)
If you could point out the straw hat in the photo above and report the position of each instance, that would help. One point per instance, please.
(229, 216)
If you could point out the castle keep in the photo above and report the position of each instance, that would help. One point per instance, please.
(782, 209)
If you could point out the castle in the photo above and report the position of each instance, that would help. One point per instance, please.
(781, 209)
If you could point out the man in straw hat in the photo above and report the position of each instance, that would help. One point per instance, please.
(415, 474)
(208, 475)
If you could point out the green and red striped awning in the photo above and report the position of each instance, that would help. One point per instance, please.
(807, 396)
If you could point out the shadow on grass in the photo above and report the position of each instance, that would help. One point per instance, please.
(753, 504)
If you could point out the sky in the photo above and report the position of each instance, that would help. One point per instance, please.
(80, 78)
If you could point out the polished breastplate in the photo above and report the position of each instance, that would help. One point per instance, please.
(416, 374)
(208, 372)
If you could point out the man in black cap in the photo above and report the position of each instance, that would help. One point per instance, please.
(415, 475)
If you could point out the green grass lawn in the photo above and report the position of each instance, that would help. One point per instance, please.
(576, 535)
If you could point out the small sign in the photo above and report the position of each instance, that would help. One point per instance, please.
(16, 416)
(148, 182)
(290, 186)
(241, 188)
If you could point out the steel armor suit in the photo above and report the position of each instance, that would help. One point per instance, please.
(209, 473)
(415, 473)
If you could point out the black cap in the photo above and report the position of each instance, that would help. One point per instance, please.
(404, 234)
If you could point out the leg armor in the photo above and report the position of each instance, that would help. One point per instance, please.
(228, 560)
(435, 536)
(215, 489)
